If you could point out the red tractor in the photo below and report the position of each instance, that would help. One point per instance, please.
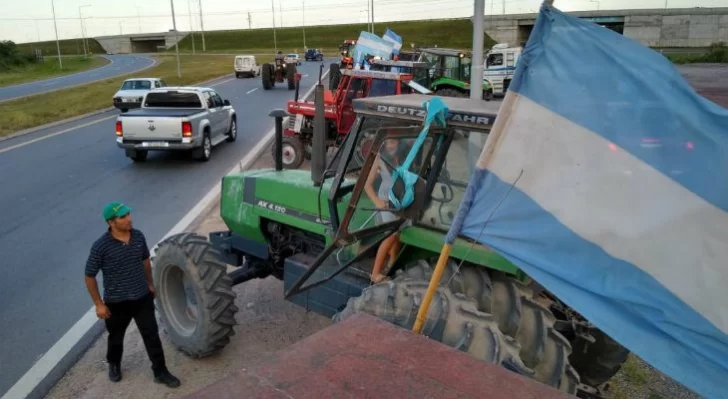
(338, 110)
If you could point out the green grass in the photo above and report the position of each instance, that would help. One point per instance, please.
(633, 372)
(41, 109)
(50, 69)
(457, 33)
(717, 53)
(68, 47)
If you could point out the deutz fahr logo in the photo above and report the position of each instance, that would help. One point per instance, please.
(420, 113)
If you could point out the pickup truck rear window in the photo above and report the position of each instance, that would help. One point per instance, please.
(173, 99)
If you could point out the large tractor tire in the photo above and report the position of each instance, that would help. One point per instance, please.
(598, 362)
(334, 76)
(452, 319)
(294, 152)
(510, 304)
(267, 74)
(195, 298)
(291, 76)
(450, 92)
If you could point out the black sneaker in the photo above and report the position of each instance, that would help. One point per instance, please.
(115, 372)
(166, 378)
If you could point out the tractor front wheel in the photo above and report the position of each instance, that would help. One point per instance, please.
(195, 298)
(293, 152)
(267, 76)
(291, 76)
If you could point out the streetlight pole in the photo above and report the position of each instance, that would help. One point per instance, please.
(303, 3)
(58, 44)
(275, 42)
(372, 16)
(476, 73)
(139, 20)
(202, 28)
(176, 39)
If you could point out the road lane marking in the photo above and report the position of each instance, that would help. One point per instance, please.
(250, 91)
(219, 83)
(56, 134)
(49, 84)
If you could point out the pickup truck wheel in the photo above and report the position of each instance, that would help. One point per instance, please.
(203, 153)
(233, 132)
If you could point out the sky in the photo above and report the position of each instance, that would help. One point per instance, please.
(32, 20)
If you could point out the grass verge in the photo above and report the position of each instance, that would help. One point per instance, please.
(50, 69)
(40, 109)
(717, 53)
(457, 33)
(68, 47)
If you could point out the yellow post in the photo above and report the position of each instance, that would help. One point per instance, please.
(434, 282)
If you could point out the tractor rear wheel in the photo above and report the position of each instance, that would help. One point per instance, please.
(450, 92)
(543, 351)
(291, 76)
(195, 298)
(267, 76)
(334, 76)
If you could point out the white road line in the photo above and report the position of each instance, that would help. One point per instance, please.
(250, 91)
(56, 134)
(219, 83)
(305, 76)
(40, 370)
(48, 84)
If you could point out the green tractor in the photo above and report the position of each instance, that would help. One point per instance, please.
(319, 232)
(449, 72)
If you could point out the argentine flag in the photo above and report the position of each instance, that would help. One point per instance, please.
(605, 178)
(395, 39)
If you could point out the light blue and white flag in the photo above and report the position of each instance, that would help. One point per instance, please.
(369, 43)
(608, 184)
(396, 40)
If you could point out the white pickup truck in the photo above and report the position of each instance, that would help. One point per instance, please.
(191, 119)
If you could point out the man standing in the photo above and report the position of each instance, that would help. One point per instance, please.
(123, 257)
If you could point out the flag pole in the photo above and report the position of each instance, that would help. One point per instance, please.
(491, 144)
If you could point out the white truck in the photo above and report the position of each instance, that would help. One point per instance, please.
(246, 65)
(191, 119)
(500, 65)
(131, 92)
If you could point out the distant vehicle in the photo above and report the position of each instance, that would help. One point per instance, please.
(292, 58)
(246, 65)
(132, 92)
(191, 119)
(314, 54)
(500, 66)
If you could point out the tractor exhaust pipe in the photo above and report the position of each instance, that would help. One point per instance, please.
(278, 114)
(318, 150)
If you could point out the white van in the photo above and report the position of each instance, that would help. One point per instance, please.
(245, 65)
(500, 66)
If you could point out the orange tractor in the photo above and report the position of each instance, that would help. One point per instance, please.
(338, 110)
(345, 62)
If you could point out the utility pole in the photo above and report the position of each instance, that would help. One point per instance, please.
(280, 13)
(192, 30)
(176, 39)
(139, 20)
(504, 7)
(202, 28)
(372, 16)
(250, 21)
(476, 74)
(369, 16)
(275, 42)
(121, 31)
(83, 30)
(303, 4)
(58, 44)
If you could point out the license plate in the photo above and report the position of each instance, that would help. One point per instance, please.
(128, 100)
(155, 144)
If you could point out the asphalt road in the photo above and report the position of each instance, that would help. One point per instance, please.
(52, 194)
(119, 65)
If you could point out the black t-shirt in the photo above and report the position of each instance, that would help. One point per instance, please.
(122, 266)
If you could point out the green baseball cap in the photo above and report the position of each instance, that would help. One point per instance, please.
(115, 210)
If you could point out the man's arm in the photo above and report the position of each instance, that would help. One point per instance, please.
(93, 265)
(148, 266)
(93, 289)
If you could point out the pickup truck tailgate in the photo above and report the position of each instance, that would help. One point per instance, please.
(151, 126)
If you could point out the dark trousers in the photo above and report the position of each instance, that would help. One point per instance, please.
(142, 311)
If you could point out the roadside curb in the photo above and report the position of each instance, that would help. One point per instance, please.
(65, 353)
(87, 115)
(155, 62)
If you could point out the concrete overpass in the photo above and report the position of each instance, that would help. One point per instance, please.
(658, 28)
(140, 42)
